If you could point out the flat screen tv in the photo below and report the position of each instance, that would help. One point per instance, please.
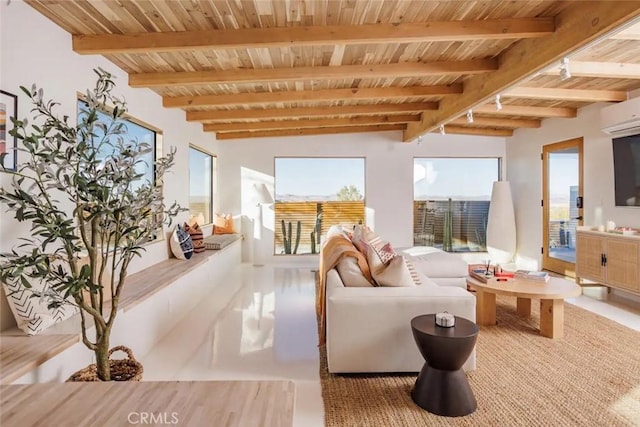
(626, 170)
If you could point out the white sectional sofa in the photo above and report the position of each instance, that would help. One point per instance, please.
(368, 328)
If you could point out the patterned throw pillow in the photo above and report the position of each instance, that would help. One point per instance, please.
(181, 243)
(363, 237)
(196, 236)
(386, 253)
(396, 273)
(31, 313)
(223, 224)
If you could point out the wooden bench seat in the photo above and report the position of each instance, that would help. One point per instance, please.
(19, 353)
(188, 403)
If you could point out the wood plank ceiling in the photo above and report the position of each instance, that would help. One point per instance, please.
(257, 68)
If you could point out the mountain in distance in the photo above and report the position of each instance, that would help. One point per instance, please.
(282, 198)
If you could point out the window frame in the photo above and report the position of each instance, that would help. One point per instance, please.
(157, 149)
(212, 181)
(500, 163)
(364, 196)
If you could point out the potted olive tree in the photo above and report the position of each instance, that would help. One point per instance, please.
(91, 211)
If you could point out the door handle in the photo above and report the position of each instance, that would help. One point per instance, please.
(579, 218)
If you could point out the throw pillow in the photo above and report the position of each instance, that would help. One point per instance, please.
(31, 312)
(386, 253)
(339, 230)
(350, 273)
(395, 273)
(196, 236)
(364, 237)
(223, 224)
(181, 243)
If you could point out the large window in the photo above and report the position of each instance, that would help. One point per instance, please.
(451, 202)
(201, 185)
(136, 133)
(312, 194)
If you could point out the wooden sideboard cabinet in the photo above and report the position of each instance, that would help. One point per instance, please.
(608, 258)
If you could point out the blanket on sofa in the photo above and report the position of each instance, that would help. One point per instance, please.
(333, 251)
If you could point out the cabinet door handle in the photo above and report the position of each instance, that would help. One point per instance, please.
(602, 260)
(605, 259)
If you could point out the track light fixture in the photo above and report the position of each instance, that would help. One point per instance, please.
(442, 131)
(565, 73)
(470, 116)
(498, 104)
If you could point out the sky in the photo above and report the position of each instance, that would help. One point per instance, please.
(463, 177)
(317, 176)
(199, 173)
(563, 173)
(433, 177)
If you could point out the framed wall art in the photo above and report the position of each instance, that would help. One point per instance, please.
(8, 143)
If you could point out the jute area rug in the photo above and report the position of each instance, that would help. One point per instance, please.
(591, 377)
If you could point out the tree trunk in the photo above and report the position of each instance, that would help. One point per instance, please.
(102, 359)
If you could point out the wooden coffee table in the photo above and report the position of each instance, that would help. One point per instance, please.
(551, 295)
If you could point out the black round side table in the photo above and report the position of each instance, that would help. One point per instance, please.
(442, 387)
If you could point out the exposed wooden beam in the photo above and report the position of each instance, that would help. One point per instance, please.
(312, 131)
(245, 38)
(372, 71)
(344, 110)
(498, 122)
(254, 98)
(310, 123)
(579, 25)
(526, 111)
(461, 130)
(605, 70)
(581, 95)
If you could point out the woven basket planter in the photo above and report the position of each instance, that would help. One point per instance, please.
(128, 369)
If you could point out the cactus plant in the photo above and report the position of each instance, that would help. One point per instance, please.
(298, 233)
(287, 237)
(315, 234)
(447, 243)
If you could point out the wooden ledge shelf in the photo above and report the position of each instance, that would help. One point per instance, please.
(145, 283)
(188, 403)
(21, 354)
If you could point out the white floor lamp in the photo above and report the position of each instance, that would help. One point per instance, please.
(501, 225)
(263, 198)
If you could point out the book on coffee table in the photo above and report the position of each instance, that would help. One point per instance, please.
(540, 276)
(481, 274)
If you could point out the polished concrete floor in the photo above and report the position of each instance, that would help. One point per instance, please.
(261, 325)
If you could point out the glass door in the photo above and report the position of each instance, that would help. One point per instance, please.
(561, 204)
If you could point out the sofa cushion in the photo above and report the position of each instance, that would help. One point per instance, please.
(394, 273)
(436, 263)
(364, 237)
(350, 273)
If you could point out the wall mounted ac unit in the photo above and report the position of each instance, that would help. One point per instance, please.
(622, 118)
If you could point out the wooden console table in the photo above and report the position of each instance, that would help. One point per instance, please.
(608, 258)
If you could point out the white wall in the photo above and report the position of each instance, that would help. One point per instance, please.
(525, 174)
(34, 50)
(389, 173)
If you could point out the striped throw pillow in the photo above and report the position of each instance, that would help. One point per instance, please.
(196, 236)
